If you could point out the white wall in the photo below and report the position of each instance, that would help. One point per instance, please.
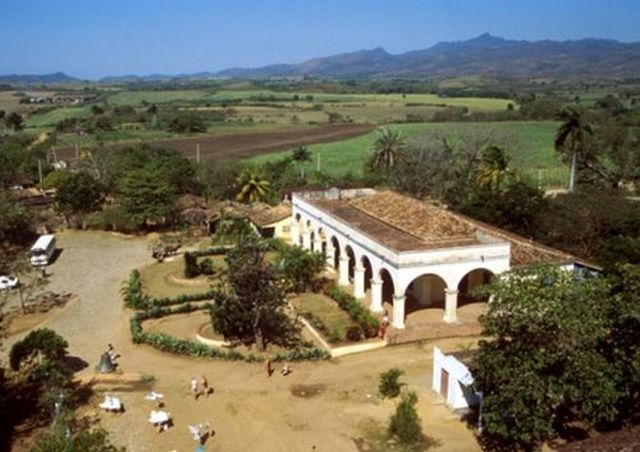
(458, 374)
(451, 264)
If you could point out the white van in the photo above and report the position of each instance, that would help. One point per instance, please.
(42, 250)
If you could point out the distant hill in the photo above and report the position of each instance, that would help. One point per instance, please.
(56, 77)
(484, 55)
(133, 78)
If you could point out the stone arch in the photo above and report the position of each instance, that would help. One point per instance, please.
(425, 291)
(388, 285)
(472, 279)
(368, 271)
(321, 234)
(336, 251)
(351, 254)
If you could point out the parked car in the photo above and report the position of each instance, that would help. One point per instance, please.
(8, 282)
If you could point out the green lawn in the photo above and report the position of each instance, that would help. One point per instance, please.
(157, 282)
(531, 148)
(50, 118)
(324, 309)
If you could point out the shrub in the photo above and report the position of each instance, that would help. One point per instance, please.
(335, 335)
(389, 385)
(354, 333)
(191, 269)
(404, 424)
(206, 267)
(132, 291)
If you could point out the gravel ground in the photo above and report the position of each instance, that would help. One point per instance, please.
(92, 265)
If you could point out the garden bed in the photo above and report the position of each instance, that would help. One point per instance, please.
(166, 279)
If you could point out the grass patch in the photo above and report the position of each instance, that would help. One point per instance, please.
(157, 282)
(325, 310)
(50, 118)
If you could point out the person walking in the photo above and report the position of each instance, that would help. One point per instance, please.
(194, 387)
(205, 386)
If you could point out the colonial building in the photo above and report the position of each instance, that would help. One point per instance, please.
(408, 253)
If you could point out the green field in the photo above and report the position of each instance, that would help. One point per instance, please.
(50, 118)
(388, 100)
(531, 149)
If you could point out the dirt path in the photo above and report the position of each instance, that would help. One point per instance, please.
(321, 406)
(243, 145)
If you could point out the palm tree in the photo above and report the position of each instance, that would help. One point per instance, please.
(301, 154)
(494, 168)
(386, 148)
(252, 187)
(153, 111)
(572, 138)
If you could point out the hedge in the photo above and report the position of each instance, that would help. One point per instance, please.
(134, 298)
(213, 251)
(167, 343)
(358, 313)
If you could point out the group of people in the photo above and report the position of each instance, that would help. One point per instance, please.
(200, 389)
(284, 371)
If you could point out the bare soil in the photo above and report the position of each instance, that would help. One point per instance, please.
(243, 145)
(323, 406)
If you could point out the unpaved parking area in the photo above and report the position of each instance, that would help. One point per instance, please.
(92, 265)
(321, 406)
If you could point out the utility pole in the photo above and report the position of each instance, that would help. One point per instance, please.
(40, 172)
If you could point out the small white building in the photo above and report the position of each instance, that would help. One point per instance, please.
(453, 381)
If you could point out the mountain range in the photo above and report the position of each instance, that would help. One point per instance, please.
(484, 55)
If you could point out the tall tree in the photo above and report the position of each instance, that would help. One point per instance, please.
(146, 196)
(252, 187)
(386, 148)
(572, 139)
(545, 366)
(153, 111)
(251, 309)
(77, 194)
(15, 120)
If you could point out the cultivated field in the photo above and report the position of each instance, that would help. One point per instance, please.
(531, 148)
(243, 145)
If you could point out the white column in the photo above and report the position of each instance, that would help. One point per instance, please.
(306, 240)
(358, 281)
(343, 279)
(330, 251)
(317, 243)
(376, 295)
(295, 233)
(398, 311)
(450, 305)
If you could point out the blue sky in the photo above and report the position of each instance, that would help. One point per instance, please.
(94, 38)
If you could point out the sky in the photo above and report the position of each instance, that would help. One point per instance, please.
(96, 38)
